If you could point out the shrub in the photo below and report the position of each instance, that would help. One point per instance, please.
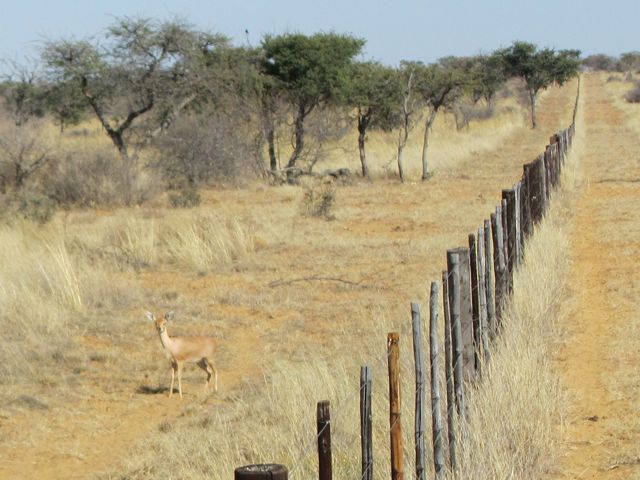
(633, 96)
(35, 207)
(197, 150)
(185, 198)
(90, 178)
(318, 200)
(27, 205)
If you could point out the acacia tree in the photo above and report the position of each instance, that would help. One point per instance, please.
(438, 86)
(374, 93)
(539, 68)
(141, 66)
(308, 71)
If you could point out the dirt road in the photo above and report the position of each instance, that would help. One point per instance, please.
(599, 363)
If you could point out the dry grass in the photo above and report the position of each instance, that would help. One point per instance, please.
(40, 292)
(618, 91)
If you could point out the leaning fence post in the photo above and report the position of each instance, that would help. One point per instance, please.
(436, 412)
(267, 471)
(324, 440)
(397, 460)
(448, 371)
(416, 325)
(366, 422)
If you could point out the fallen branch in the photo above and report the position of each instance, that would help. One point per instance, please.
(312, 278)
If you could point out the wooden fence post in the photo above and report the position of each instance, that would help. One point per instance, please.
(527, 188)
(397, 460)
(506, 250)
(416, 324)
(267, 471)
(548, 169)
(465, 309)
(436, 411)
(488, 278)
(448, 371)
(456, 334)
(324, 440)
(537, 191)
(366, 382)
(499, 265)
(509, 199)
(483, 338)
(544, 188)
(518, 224)
(475, 299)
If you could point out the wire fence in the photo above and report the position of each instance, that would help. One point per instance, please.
(478, 281)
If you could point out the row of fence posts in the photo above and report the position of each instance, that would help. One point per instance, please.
(475, 288)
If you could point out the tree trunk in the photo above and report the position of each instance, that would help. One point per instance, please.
(363, 122)
(532, 99)
(118, 140)
(425, 144)
(268, 126)
(402, 141)
(271, 146)
(299, 139)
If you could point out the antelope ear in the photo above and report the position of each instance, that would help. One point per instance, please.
(169, 316)
(150, 316)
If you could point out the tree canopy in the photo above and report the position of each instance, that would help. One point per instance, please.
(141, 66)
(539, 68)
(308, 71)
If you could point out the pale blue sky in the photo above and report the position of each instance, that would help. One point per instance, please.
(394, 30)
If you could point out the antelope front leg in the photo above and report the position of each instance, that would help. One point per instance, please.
(174, 367)
(180, 378)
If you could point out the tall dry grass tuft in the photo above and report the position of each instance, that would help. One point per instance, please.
(40, 292)
(206, 241)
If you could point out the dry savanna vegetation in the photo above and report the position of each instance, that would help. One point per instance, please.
(75, 289)
(297, 279)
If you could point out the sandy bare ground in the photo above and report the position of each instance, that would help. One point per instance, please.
(90, 430)
(599, 364)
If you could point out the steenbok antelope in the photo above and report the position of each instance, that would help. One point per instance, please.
(185, 349)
